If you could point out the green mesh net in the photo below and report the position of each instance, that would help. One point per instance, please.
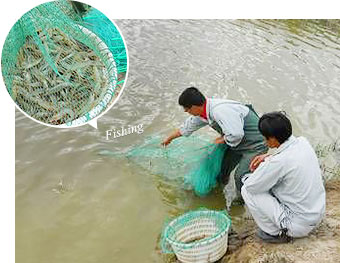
(58, 65)
(197, 235)
(194, 162)
(203, 176)
(98, 24)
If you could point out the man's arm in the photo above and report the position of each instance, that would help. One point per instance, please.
(265, 176)
(191, 124)
(172, 136)
(231, 124)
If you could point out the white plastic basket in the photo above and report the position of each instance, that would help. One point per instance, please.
(199, 236)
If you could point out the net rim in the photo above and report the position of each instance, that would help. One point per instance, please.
(111, 72)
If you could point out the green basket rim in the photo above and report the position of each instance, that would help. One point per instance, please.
(203, 241)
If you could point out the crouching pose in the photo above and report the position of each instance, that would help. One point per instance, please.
(285, 193)
(237, 125)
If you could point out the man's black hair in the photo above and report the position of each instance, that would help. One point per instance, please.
(275, 124)
(191, 96)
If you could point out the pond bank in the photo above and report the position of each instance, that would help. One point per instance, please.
(322, 245)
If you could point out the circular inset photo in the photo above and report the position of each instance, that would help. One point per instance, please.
(64, 63)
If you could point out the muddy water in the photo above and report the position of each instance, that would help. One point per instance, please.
(74, 204)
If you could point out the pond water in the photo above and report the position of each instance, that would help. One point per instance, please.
(74, 204)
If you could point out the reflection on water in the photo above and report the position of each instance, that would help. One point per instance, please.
(74, 204)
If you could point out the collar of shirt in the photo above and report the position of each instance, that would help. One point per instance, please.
(204, 115)
(286, 144)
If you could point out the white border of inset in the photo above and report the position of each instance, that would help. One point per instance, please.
(82, 120)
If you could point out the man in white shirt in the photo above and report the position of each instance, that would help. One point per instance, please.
(236, 123)
(285, 193)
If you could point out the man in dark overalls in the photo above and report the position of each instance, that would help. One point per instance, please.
(236, 123)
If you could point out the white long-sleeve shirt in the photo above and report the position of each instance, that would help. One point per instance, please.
(228, 114)
(293, 176)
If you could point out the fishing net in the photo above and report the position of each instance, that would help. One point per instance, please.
(193, 161)
(98, 23)
(197, 236)
(61, 64)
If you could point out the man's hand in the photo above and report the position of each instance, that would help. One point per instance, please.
(257, 160)
(166, 141)
(172, 136)
(219, 140)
